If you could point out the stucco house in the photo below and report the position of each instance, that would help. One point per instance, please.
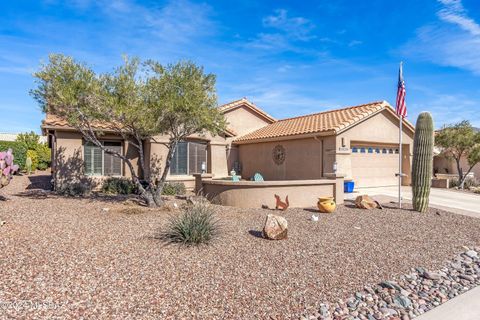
(446, 166)
(360, 142)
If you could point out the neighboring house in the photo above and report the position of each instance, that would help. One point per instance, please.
(13, 137)
(443, 164)
(361, 141)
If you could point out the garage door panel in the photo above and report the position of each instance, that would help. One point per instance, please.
(374, 169)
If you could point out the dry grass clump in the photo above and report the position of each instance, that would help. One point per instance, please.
(195, 225)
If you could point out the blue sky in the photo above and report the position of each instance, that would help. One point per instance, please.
(288, 57)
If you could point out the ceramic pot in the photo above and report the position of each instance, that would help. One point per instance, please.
(326, 204)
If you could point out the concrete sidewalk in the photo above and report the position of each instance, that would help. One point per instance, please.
(451, 200)
(462, 307)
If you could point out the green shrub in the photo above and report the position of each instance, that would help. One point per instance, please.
(194, 226)
(19, 151)
(115, 185)
(32, 154)
(30, 139)
(44, 156)
(75, 189)
(173, 188)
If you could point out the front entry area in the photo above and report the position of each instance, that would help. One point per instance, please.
(374, 166)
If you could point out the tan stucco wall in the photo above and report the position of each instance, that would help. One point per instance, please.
(242, 120)
(303, 160)
(68, 154)
(301, 194)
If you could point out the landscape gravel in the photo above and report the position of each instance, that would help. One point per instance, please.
(72, 258)
(410, 295)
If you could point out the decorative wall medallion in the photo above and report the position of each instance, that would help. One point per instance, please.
(278, 154)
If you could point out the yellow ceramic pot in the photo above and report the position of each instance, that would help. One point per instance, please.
(326, 204)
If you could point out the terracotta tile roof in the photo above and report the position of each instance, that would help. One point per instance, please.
(244, 102)
(329, 122)
(56, 122)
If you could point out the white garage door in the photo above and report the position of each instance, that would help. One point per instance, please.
(374, 166)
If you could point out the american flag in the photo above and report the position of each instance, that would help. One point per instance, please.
(401, 92)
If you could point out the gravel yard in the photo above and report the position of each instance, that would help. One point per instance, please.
(95, 263)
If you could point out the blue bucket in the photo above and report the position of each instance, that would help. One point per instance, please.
(348, 186)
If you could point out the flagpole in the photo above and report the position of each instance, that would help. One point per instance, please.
(400, 164)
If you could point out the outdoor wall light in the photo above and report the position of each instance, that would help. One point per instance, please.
(335, 166)
(204, 167)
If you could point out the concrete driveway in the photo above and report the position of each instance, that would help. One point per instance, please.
(450, 200)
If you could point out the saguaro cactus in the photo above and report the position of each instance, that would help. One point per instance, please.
(422, 166)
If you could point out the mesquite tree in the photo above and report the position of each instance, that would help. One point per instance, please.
(459, 141)
(139, 101)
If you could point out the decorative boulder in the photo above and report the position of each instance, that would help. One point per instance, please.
(365, 202)
(275, 228)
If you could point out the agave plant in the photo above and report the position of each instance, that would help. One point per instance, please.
(7, 167)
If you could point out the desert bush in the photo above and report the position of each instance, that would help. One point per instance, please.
(44, 156)
(173, 188)
(195, 225)
(75, 189)
(115, 185)
(29, 139)
(18, 149)
(31, 142)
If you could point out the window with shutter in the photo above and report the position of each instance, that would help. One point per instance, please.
(179, 164)
(112, 165)
(197, 154)
(93, 159)
(188, 158)
(98, 162)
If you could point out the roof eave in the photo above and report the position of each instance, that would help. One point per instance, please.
(283, 138)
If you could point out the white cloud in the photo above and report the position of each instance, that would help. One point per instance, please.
(453, 41)
(296, 28)
(288, 33)
(454, 12)
(449, 108)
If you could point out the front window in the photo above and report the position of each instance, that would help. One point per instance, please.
(100, 163)
(189, 158)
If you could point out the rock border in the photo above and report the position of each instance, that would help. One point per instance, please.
(410, 295)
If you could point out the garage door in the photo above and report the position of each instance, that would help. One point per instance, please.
(374, 166)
